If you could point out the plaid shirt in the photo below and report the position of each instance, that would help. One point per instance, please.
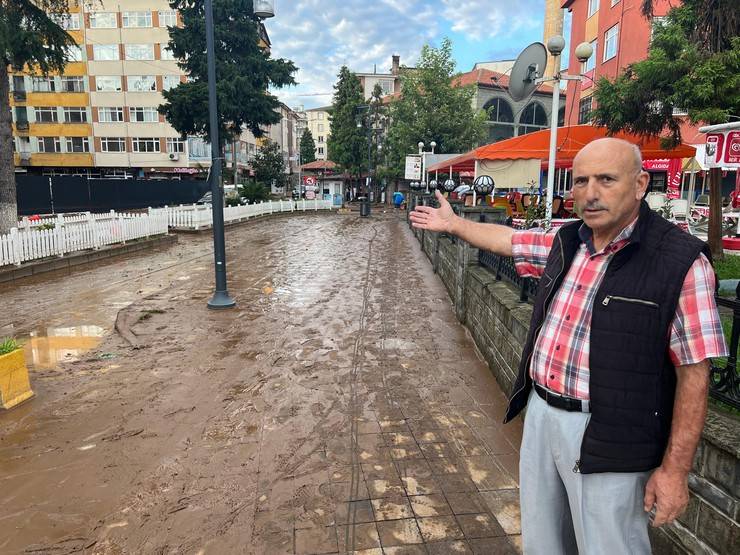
(561, 353)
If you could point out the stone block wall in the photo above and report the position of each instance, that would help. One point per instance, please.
(498, 322)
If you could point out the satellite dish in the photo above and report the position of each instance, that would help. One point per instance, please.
(529, 66)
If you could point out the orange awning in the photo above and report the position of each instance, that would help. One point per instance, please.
(570, 140)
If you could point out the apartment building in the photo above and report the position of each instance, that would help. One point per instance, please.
(99, 118)
(318, 123)
(390, 83)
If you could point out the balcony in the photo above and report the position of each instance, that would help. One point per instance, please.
(22, 127)
(19, 96)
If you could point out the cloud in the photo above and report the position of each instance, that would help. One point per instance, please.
(322, 35)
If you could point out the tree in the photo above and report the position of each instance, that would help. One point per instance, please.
(30, 38)
(269, 165)
(244, 71)
(693, 67)
(433, 107)
(347, 143)
(254, 192)
(307, 147)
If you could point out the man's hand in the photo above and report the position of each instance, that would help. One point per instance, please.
(668, 491)
(434, 219)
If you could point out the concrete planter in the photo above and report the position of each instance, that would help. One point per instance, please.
(15, 387)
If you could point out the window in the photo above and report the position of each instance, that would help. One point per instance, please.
(75, 115)
(321, 150)
(142, 83)
(167, 18)
(593, 7)
(50, 144)
(386, 85)
(110, 115)
(139, 51)
(47, 114)
(175, 145)
(73, 84)
(321, 138)
(166, 53)
(112, 144)
(107, 83)
(68, 22)
(170, 82)
(533, 118)
(590, 64)
(584, 110)
(103, 20)
(74, 53)
(611, 39)
(43, 84)
(498, 109)
(321, 127)
(148, 144)
(140, 115)
(106, 52)
(137, 19)
(657, 22)
(198, 148)
(321, 115)
(78, 144)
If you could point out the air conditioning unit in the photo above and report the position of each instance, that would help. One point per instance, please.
(174, 156)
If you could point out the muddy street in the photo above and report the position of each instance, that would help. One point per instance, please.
(339, 408)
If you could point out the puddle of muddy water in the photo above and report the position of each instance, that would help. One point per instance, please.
(46, 348)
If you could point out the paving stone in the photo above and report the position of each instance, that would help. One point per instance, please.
(354, 512)
(429, 437)
(385, 488)
(488, 546)
(449, 548)
(456, 483)
(504, 505)
(316, 540)
(360, 537)
(392, 508)
(395, 439)
(438, 528)
(417, 468)
(398, 532)
(487, 474)
(420, 485)
(430, 505)
(405, 550)
(481, 525)
(445, 466)
(466, 503)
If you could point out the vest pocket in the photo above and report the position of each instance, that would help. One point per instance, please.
(617, 298)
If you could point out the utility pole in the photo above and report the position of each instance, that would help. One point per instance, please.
(221, 298)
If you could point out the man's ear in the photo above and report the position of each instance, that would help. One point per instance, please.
(641, 183)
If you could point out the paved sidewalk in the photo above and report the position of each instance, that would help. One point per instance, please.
(340, 408)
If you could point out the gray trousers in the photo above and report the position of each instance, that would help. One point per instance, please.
(566, 512)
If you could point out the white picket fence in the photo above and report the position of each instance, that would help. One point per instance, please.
(194, 217)
(72, 234)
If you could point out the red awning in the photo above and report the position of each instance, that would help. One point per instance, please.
(570, 140)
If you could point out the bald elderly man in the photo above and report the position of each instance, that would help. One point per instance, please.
(615, 370)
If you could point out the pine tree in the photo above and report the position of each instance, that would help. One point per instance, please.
(29, 36)
(244, 71)
(347, 143)
(307, 147)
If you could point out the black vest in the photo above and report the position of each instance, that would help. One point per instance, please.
(632, 381)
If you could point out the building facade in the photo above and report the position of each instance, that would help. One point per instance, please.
(390, 83)
(317, 121)
(99, 118)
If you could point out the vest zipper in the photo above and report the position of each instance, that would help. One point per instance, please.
(534, 337)
(577, 467)
(608, 298)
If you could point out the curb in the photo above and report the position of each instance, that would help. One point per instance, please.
(81, 258)
(208, 227)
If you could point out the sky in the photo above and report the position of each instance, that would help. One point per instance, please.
(320, 36)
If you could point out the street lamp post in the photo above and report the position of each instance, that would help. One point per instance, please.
(424, 153)
(221, 298)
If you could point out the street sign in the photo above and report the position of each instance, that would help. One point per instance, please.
(309, 180)
(413, 168)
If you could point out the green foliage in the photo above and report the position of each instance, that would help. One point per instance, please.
(307, 147)
(534, 214)
(8, 345)
(244, 71)
(254, 192)
(347, 143)
(433, 107)
(232, 201)
(728, 267)
(269, 165)
(686, 70)
(30, 35)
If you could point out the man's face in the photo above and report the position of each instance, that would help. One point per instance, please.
(607, 187)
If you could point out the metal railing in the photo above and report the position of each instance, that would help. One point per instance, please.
(503, 267)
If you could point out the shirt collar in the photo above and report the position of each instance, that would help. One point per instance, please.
(585, 233)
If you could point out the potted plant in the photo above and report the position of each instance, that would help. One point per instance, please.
(15, 387)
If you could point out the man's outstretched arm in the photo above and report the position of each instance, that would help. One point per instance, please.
(490, 237)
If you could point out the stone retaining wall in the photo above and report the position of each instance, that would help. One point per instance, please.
(498, 322)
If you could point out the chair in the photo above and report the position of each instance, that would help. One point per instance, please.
(519, 210)
(680, 208)
(503, 202)
(557, 205)
(526, 200)
(655, 200)
(702, 200)
(569, 207)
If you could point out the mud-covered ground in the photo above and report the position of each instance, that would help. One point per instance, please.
(340, 407)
